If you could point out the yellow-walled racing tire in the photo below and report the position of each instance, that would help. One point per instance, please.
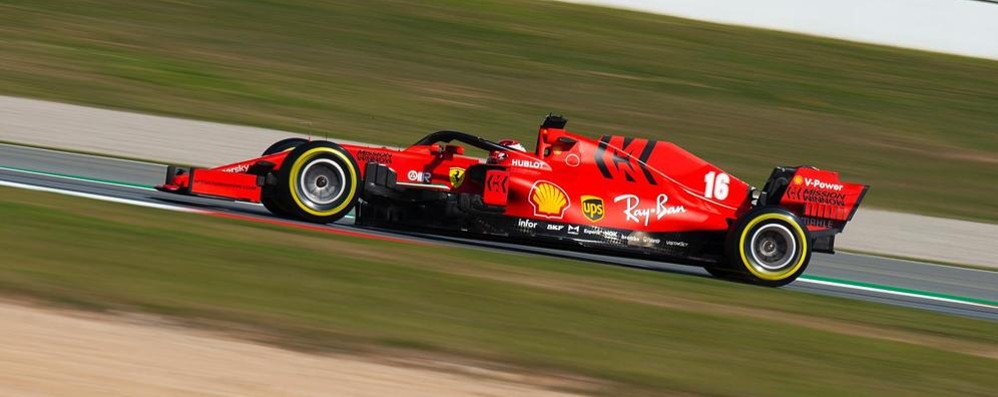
(318, 182)
(769, 246)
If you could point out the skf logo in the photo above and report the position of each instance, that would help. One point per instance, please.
(798, 180)
(456, 176)
(549, 200)
(592, 208)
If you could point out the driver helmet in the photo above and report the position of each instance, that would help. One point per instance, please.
(513, 144)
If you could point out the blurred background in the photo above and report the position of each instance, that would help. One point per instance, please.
(921, 127)
(101, 298)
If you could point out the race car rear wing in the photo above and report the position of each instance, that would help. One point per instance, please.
(823, 202)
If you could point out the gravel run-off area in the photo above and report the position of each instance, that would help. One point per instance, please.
(50, 352)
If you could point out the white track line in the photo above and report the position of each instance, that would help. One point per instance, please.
(110, 183)
(70, 151)
(76, 178)
(898, 293)
(99, 197)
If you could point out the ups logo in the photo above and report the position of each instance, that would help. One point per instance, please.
(592, 208)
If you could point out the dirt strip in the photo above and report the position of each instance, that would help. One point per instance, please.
(48, 352)
(182, 141)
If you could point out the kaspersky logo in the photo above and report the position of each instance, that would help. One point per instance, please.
(237, 169)
(592, 208)
(549, 200)
(456, 176)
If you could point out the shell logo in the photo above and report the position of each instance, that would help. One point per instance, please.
(798, 180)
(549, 200)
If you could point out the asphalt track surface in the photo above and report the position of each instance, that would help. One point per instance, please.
(947, 289)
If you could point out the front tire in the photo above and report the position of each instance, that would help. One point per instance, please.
(318, 182)
(284, 145)
(269, 195)
(770, 247)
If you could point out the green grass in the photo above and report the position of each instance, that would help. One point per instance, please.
(921, 128)
(632, 332)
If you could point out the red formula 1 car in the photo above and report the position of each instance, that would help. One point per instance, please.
(619, 195)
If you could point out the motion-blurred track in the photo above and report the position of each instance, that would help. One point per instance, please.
(946, 289)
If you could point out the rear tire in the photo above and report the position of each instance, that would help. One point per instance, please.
(318, 182)
(769, 246)
(724, 273)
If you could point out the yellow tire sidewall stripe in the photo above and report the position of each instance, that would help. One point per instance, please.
(300, 163)
(777, 275)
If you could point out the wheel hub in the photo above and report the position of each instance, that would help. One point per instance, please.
(321, 182)
(773, 247)
(768, 247)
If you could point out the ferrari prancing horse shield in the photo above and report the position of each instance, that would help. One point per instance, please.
(456, 176)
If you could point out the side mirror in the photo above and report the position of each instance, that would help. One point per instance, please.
(435, 149)
(552, 137)
(564, 140)
(454, 149)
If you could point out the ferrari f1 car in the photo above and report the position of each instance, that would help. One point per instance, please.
(615, 195)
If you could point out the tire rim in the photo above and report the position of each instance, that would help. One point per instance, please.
(321, 182)
(773, 248)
